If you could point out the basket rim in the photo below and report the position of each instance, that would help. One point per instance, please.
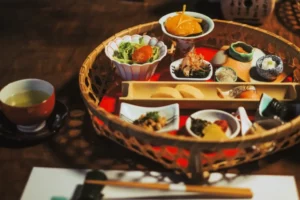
(268, 134)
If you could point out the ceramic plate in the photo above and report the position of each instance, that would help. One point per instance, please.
(129, 113)
(175, 65)
(213, 115)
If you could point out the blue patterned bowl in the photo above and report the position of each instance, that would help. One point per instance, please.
(269, 74)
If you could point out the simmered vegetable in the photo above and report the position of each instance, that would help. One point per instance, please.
(198, 125)
(193, 66)
(152, 121)
(183, 25)
(208, 130)
(222, 123)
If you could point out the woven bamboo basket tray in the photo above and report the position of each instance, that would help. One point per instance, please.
(188, 156)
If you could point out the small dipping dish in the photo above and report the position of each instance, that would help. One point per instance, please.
(241, 51)
(225, 74)
(266, 71)
(28, 103)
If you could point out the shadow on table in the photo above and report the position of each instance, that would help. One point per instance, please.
(78, 145)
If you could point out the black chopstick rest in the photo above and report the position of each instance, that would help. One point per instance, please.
(91, 191)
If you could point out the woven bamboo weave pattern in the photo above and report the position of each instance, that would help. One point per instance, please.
(181, 153)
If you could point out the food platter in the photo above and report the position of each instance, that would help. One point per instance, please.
(139, 92)
(103, 91)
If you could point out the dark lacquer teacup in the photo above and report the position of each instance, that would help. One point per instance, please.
(28, 103)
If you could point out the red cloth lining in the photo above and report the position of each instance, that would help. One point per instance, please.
(111, 104)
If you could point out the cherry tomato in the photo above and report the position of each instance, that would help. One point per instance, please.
(142, 54)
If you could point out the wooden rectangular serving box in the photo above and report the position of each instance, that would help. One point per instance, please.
(139, 93)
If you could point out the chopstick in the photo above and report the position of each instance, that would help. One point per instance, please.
(208, 190)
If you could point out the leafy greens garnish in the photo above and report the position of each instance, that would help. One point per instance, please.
(126, 49)
(149, 115)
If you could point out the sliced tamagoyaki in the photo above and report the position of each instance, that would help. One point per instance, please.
(188, 91)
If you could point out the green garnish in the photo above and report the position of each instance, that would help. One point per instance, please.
(202, 73)
(198, 125)
(126, 49)
(150, 115)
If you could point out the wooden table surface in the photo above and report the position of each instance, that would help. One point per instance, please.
(49, 39)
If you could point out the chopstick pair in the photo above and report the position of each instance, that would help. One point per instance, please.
(227, 192)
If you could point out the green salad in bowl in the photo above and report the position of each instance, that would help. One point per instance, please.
(130, 52)
(136, 56)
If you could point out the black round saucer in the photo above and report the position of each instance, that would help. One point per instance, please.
(9, 131)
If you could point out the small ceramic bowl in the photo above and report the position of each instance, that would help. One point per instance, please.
(269, 74)
(187, 43)
(234, 75)
(211, 115)
(129, 113)
(29, 118)
(244, 57)
(139, 72)
(176, 64)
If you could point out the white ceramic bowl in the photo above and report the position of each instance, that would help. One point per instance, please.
(129, 112)
(175, 65)
(211, 115)
(140, 72)
(186, 43)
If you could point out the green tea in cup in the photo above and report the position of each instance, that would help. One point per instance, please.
(27, 98)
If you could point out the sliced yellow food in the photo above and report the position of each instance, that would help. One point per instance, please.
(183, 25)
(166, 92)
(188, 91)
(213, 132)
